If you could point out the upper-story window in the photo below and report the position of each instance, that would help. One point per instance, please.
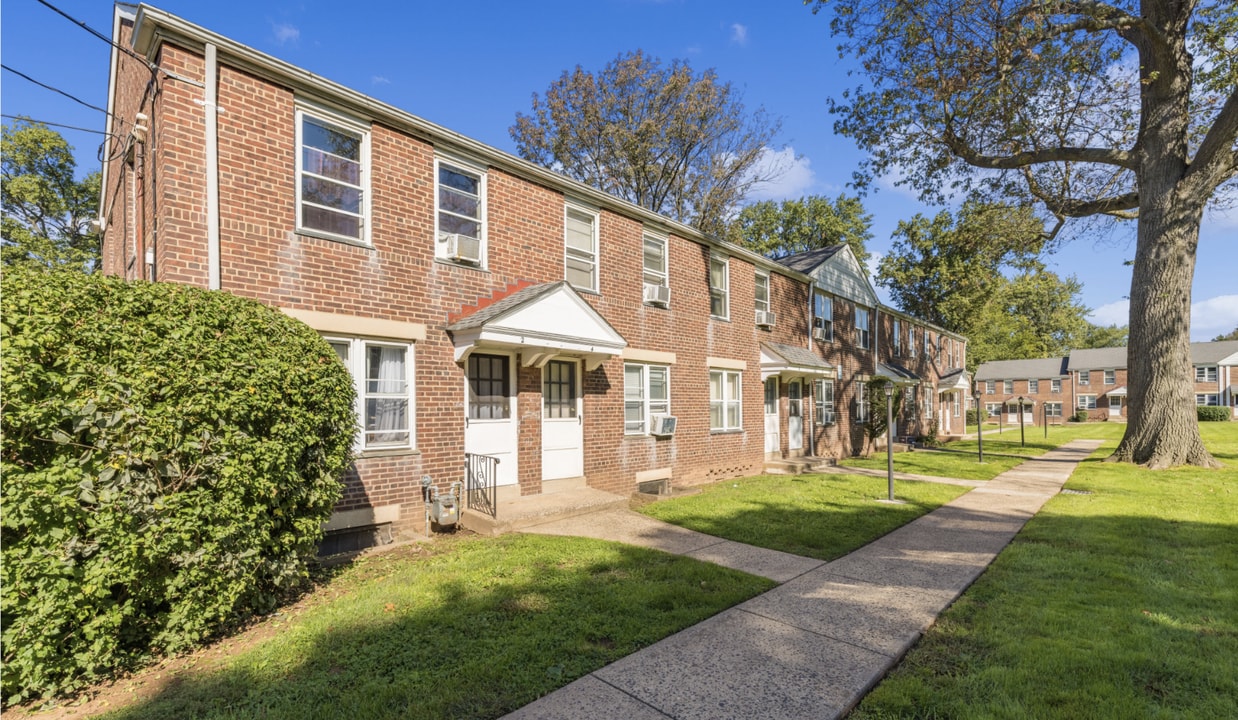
(719, 287)
(460, 223)
(580, 244)
(657, 289)
(1055, 385)
(928, 344)
(761, 292)
(822, 316)
(990, 387)
(1110, 377)
(1033, 387)
(863, 332)
(1205, 373)
(911, 341)
(1085, 377)
(898, 338)
(332, 176)
(1008, 387)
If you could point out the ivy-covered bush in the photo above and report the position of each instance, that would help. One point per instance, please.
(1212, 413)
(169, 456)
(1081, 415)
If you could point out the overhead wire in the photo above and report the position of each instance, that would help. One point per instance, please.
(45, 86)
(58, 125)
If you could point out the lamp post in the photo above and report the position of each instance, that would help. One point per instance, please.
(1044, 419)
(889, 438)
(976, 393)
(1022, 442)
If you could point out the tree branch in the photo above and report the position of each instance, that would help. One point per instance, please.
(1096, 17)
(1216, 159)
(1104, 156)
(1115, 205)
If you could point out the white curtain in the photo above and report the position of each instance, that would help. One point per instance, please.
(388, 401)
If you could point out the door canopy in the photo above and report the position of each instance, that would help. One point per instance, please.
(790, 362)
(540, 322)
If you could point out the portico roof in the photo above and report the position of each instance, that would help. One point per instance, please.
(540, 322)
(1119, 391)
(955, 379)
(788, 361)
(897, 373)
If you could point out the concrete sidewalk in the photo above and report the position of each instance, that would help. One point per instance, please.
(813, 646)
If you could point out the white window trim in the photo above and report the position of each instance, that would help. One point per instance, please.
(356, 370)
(819, 406)
(571, 207)
(440, 246)
(725, 290)
(1033, 386)
(911, 341)
(1109, 377)
(727, 401)
(928, 402)
(1085, 377)
(1084, 404)
(1055, 386)
(647, 412)
(990, 387)
(1008, 387)
(862, 402)
(663, 275)
(1205, 370)
(863, 335)
(827, 323)
(1053, 408)
(330, 117)
(1216, 399)
(756, 280)
(898, 338)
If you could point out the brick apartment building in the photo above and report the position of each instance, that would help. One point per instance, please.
(487, 306)
(1095, 380)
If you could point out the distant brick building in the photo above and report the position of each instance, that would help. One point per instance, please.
(488, 307)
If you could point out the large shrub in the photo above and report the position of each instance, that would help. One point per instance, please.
(169, 457)
(1212, 413)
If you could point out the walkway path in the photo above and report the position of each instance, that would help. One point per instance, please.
(813, 646)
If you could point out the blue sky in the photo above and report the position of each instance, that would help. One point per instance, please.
(472, 66)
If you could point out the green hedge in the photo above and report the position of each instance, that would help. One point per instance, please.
(169, 457)
(1212, 413)
(1081, 416)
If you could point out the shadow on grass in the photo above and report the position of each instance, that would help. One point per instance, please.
(445, 641)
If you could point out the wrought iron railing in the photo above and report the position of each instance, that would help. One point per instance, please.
(481, 475)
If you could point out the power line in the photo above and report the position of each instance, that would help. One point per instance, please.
(59, 125)
(78, 100)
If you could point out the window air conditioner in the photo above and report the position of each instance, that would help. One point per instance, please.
(818, 334)
(462, 247)
(765, 318)
(663, 425)
(658, 295)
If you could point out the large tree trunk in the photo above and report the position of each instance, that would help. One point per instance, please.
(1163, 428)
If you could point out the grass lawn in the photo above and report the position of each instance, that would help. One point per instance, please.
(817, 516)
(1118, 604)
(462, 628)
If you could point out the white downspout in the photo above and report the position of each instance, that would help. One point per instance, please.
(212, 169)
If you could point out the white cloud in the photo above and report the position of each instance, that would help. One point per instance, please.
(1115, 313)
(793, 176)
(1209, 318)
(739, 34)
(379, 80)
(1213, 317)
(285, 33)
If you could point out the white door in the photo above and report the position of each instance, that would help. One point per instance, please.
(563, 437)
(490, 412)
(771, 415)
(795, 415)
(1115, 406)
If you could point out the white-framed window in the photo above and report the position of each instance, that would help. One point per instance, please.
(823, 314)
(823, 402)
(911, 341)
(992, 409)
(460, 216)
(898, 338)
(333, 175)
(909, 401)
(719, 287)
(863, 328)
(956, 403)
(1207, 399)
(1033, 387)
(1087, 402)
(725, 407)
(1110, 377)
(1053, 409)
(1055, 385)
(382, 374)
(761, 291)
(928, 344)
(1085, 377)
(654, 259)
(990, 387)
(928, 401)
(861, 401)
(580, 247)
(646, 392)
(1008, 387)
(1205, 373)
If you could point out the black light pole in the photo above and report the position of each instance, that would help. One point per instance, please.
(979, 425)
(1022, 442)
(889, 438)
(1044, 411)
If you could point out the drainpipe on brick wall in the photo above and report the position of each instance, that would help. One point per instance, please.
(212, 168)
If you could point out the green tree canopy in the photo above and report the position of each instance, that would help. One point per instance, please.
(1231, 335)
(1102, 336)
(1036, 314)
(47, 211)
(669, 139)
(1088, 108)
(777, 229)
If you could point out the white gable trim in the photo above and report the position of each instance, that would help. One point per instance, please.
(841, 275)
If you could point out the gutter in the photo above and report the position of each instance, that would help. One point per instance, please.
(211, 119)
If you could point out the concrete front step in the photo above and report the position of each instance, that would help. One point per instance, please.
(797, 466)
(520, 513)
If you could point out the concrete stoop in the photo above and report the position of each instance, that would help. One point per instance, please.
(797, 465)
(524, 512)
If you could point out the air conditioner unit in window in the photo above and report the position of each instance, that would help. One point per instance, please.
(663, 425)
(818, 334)
(658, 295)
(765, 318)
(462, 247)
